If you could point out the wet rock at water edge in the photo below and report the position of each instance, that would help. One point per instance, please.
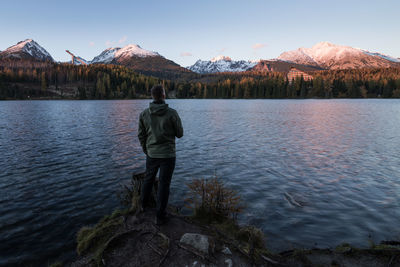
(196, 241)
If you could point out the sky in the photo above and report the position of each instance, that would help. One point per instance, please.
(185, 31)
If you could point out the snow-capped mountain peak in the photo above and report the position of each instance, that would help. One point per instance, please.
(106, 56)
(220, 57)
(221, 64)
(332, 56)
(134, 50)
(27, 49)
(322, 51)
(126, 52)
(22, 45)
(323, 45)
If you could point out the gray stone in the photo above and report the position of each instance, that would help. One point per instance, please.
(226, 251)
(229, 262)
(197, 241)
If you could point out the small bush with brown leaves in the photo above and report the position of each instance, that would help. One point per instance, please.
(212, 200)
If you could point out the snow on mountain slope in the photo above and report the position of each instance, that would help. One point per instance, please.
(298, 56)
(221, 64)
(27, 49)
(220, 58)
(331, 56)
(134, 50)
(126, 52)
(397, 60)
(141, 60)
(106, 56)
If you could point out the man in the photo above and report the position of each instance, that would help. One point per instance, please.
(158, 127)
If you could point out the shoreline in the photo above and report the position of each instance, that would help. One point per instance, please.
(246, 246)
(119, 99)
(205, 238)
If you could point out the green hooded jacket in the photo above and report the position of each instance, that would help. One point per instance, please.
(158, 127)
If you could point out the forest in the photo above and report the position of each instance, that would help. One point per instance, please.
(45, 80)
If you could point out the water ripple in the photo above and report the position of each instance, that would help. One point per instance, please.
(311, 172)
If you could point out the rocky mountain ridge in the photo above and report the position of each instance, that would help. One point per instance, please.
(27, 49)
(330, 56)
(323, 55)
(221, 64)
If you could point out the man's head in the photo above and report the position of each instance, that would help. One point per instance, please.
(158, 93)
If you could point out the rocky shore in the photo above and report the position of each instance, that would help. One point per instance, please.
(129, 238)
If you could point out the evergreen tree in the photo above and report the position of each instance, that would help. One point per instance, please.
(43, 82)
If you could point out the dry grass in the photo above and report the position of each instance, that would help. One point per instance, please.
(129, 195)
(211, 200)
(89, 239)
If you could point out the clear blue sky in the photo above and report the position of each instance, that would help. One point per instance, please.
(185, 31)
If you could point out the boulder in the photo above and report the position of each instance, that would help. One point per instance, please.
(226, 251)
(196, 241)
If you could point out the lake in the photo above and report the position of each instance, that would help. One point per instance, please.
(312, 173)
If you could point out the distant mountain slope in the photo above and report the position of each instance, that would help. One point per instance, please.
(282, 66)
(106, 56)
(140, 60)
(330, 56)
(27, 49)
(323, 55)
(221, 64)
(397, 60)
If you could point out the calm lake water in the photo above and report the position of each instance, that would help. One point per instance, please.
(312, 173)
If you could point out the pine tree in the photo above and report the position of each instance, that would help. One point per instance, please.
(43, 81)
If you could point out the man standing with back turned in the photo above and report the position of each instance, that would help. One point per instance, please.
(158, 127)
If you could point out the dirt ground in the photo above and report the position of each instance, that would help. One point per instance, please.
(140, 242)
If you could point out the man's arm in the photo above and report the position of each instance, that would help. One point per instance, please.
(178, 126)
(142, 134)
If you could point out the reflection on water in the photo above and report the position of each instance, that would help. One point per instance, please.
(312, 172)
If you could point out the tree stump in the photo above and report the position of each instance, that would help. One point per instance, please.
(137, 181)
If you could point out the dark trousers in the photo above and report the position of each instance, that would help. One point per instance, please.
(166, 167)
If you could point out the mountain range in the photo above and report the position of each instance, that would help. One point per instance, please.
(221, 64)
(330, 56)
(139, 59)
(322, 56)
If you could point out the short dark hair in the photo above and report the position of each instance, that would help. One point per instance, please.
(157, 92)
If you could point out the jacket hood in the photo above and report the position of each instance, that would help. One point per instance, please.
(158, 109)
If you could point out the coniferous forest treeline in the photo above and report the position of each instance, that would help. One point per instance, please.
(32, 80)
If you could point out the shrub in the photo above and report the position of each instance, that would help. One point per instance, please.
(212, 200)
(252, 235)
(129, 195)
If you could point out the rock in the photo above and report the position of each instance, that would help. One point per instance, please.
(197, 241)
(226, 251)
(229, 262)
